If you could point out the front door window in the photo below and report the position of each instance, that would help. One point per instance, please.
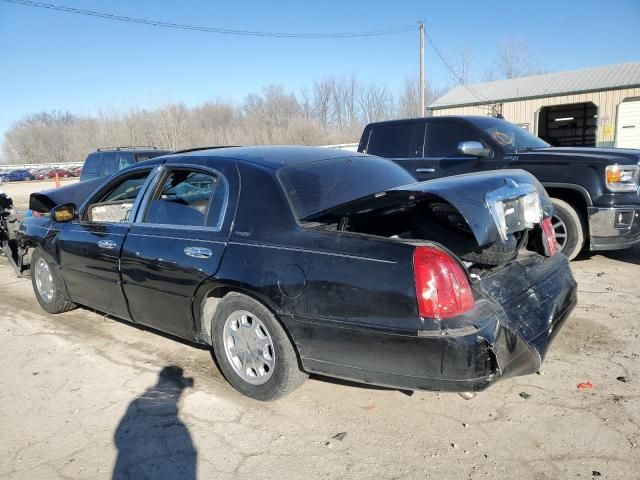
(116, 205)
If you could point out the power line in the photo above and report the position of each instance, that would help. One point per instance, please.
(221, 31)
(453, 71)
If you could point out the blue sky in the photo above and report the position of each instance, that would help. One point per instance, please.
(61, 61)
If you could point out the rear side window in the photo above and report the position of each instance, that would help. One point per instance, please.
(141, 157)
(185, 198)
(400, 140)
(91, 167)
(115, 161)
(443, 138)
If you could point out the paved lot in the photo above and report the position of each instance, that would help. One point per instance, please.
(77, 390)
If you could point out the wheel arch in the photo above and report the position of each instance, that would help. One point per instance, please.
(208, 298)
(206, 305)
(576, 196)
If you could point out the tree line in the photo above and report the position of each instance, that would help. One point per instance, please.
(329, 111)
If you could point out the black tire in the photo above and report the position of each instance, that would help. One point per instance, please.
(465, 246)
(566, 221)
(286, 375)
(58, 303)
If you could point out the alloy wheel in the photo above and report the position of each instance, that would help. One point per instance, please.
(560, 230)
(44, 280)
(249, 347)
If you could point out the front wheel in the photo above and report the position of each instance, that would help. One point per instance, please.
(47, 284)
(253, 350)
(568, 228)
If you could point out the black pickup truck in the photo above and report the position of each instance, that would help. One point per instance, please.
(595, 191)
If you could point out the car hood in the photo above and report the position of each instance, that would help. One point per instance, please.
(77, 193)
(466, 193)
(610, 155)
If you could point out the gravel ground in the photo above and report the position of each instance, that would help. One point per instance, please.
(78, 390)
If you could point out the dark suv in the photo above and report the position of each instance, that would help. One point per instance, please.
(104, 162)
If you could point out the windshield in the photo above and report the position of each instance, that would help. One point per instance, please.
(510, 137)
(318, 186)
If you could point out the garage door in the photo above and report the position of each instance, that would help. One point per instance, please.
(628, 128)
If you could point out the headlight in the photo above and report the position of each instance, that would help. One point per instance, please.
(622, 178)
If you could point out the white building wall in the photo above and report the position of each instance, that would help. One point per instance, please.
(525, 112)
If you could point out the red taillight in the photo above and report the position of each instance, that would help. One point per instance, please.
(549, 235)
(442, 287)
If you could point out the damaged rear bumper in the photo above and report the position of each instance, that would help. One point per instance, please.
(519, 311)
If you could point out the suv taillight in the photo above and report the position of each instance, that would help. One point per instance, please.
(442, 287)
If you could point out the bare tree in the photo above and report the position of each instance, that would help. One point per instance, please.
(461, 66)
(490, 75)
(515, 59)
(345, 102)
(409, 100)
(170, 123)
(375, 102)
(322, 94)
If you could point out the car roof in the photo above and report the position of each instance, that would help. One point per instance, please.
(271, 157)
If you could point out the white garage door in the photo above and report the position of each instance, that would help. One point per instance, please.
(628, 128)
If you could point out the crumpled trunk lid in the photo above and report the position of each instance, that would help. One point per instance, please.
(470, 194)
(75, 193)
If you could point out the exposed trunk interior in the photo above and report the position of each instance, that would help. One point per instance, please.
(573, 125)
(432, 220)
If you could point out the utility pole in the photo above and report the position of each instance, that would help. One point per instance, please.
(421, 82)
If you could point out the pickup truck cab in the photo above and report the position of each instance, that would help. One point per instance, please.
(594, 190)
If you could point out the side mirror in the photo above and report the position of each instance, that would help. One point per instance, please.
(474, 149)
(63, 213)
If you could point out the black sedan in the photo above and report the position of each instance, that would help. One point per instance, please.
(295, 260)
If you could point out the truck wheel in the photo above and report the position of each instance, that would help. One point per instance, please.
(47, 285)
(568, 228)
(253, 350)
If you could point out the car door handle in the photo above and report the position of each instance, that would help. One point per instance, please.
(108, 244)
(425, 170)
(197, 252)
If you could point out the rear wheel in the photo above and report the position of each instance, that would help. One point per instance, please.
(47, 285)
(253, 350)
(568, 228)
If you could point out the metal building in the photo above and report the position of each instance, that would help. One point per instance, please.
(589, 107)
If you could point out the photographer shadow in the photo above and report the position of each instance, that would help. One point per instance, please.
(152, 441)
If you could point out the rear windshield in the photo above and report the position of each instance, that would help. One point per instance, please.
(318, 186)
